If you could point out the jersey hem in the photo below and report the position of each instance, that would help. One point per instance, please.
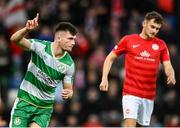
(138, 95)
(33, 104)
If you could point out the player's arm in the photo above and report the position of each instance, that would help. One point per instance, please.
(106, 68)
(19, 36)
(67, 91)
(169, 71)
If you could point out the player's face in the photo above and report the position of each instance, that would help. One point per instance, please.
(151, 28)
(66, 41)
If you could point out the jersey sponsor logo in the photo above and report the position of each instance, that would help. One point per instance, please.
(17, 121)
(62, 68)
(155, 47)
(145, 54)
(45, 78)
(135, 46)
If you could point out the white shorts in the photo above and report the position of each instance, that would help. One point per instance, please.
(137, 108)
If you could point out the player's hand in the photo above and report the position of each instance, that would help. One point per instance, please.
(67, 93)
(104, 85)
(32, 24)
(171, 80)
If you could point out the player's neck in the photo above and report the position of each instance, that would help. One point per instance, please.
(144, 36)
(57, 50)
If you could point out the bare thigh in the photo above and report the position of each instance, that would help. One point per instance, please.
(34, 125)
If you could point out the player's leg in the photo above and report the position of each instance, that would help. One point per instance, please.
(19, 118)
(34, 125)
(145, 112)
(42, 117)
(129, 122)
(130, 106)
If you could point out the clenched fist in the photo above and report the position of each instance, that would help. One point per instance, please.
(67, 94)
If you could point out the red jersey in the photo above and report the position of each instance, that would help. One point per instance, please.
(142, 59)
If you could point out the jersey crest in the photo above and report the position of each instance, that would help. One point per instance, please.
(62, 68)
(155, 47)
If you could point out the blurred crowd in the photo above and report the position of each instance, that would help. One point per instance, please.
(101, 24)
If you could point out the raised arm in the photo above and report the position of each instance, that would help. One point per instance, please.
(169, 71)
(19, 36)
(106, 68)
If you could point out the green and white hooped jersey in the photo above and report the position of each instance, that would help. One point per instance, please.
(44, 73)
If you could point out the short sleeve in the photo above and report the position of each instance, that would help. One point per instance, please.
(164, 56)
(33, 47)
(120, 47)
(37, 45)
(69, 77)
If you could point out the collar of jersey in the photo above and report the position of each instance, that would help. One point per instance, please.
(54, 55)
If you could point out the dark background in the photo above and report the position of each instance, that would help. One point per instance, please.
(101, 24)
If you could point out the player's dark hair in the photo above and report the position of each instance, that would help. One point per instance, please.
(66, 26)
(154, 15)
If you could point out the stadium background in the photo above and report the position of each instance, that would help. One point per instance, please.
(101, 24)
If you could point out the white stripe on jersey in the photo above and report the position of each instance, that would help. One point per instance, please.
(49, 60)
(34, 69)
(33, 90)
(68, 76)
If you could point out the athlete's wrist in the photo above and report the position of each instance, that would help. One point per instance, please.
(104, 78)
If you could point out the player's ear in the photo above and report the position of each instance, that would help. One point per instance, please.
(57, 37)
(144, 23)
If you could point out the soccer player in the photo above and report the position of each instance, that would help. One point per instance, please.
(143, 54)
(50, 64)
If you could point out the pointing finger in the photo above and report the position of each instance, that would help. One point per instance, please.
(37, 17)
